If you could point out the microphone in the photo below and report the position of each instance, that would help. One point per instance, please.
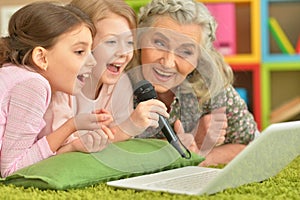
(144, 91)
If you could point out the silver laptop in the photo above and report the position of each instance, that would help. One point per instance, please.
(267, 155)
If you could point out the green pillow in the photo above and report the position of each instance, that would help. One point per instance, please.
(119, 160)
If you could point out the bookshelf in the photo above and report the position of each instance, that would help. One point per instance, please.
(286, 12)
(286, 111)
(246, 61)
(247, 76)
(280, 70)
(247, 30)
(269, 74)
(280, 85)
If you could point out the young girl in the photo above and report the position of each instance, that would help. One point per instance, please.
(47, 50)
(113, 48)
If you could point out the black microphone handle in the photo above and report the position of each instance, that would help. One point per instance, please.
(170, 135)
(144, 91)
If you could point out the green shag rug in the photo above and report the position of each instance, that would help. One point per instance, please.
(285, 186)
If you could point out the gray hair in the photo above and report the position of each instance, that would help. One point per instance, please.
(192, 12)
(184, 12)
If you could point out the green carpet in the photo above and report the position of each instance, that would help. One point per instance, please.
(285, 186)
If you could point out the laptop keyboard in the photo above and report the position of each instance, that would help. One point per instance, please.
(188, 182)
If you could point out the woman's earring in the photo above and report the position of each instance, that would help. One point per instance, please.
(189, 76)
(45, 67)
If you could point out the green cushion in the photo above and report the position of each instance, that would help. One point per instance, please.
(119, 160)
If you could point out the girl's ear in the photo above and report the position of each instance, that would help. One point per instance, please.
(39, 58)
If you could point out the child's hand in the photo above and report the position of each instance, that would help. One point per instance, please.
(147, 114)
(107, 116)
(93, 141)
(92, 121)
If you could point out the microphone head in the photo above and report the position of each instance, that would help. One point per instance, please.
(144, 91)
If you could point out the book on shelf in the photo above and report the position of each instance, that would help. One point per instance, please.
(280, 37)
(224, 13)
(286, 111)
(298, 46)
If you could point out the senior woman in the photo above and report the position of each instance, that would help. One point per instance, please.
(176, 55)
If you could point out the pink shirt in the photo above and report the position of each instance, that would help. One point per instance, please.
(24, 98)
(117, 99)
(57, 113)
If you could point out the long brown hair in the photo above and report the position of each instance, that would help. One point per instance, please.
(38, 24)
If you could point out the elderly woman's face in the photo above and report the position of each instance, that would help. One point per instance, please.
(169, 52)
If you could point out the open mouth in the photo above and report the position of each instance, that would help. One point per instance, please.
(163, 74)
(115, 68)
(82, 77)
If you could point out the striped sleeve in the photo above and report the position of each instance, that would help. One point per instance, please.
(27, 104)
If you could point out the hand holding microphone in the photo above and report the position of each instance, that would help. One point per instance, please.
(144, 91)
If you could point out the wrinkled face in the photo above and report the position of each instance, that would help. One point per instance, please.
(169, 52)
(113, 48)
(70, 61)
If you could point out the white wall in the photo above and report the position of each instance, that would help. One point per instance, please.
(8, 7)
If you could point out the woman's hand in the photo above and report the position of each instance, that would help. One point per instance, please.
(222, 154)
(187, 139)
(211, 130)
(146, 115)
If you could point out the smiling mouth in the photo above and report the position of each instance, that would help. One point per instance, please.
(82, 77)
(163, 74)
(115, 68)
